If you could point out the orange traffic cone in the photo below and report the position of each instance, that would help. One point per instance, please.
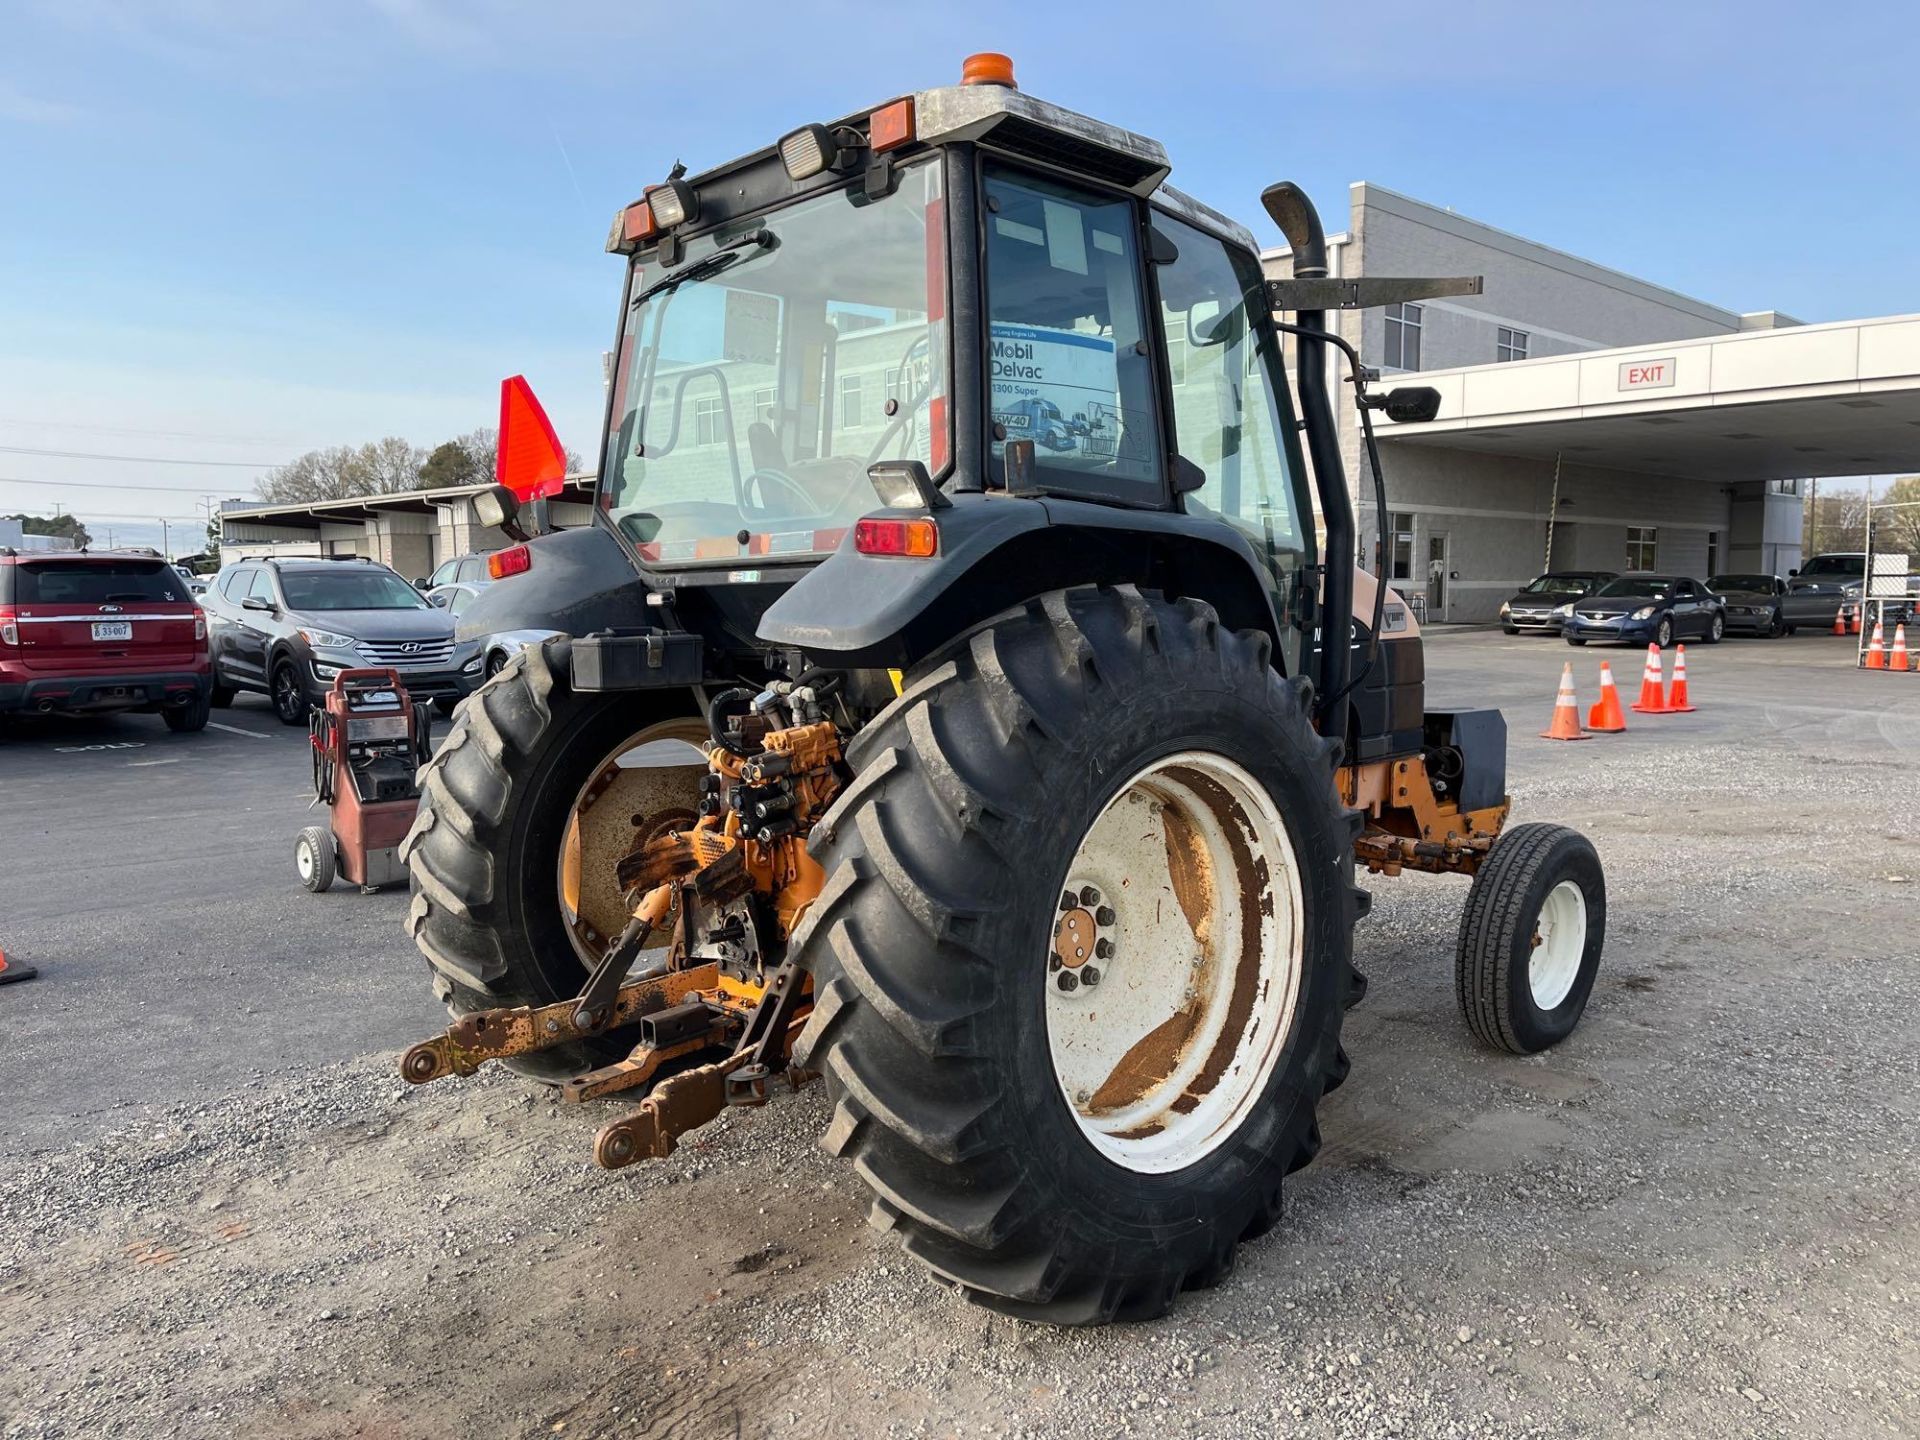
(10, 971)
(1853, 621)
(1898, 660)
(1606, 717)
(1876, 657)
(1677, 698)
(1653, 699)
(1840, 621)
(1566, 711)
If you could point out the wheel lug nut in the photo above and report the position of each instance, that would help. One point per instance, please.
(1103, 949)
(1089, 895)
(1069, 900)
(1068, 981)
(1053, 962)
(1104, 915)
(1089, 975)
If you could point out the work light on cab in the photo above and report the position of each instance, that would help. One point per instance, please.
(673, 203)
(814, 148)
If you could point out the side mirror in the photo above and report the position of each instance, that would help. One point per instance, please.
(420, 583)
(1209, 324)
(257, 602)
(1187, 476)
(1412, 404)
(438, 601)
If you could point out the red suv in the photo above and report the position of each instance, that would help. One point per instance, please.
(89, 633)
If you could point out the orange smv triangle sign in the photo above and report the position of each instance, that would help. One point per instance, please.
(530, 461)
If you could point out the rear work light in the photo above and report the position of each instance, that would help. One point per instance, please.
(674, 203)
(514, 560)
(915, 539)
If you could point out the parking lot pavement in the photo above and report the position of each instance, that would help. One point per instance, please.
(150, 877)
(1697, 1217)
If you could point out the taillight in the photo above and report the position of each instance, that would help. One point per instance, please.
(9, 627)
(199, 624)
(514, 560)
(916, 539)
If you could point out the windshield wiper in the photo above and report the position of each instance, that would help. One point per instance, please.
(705, 269)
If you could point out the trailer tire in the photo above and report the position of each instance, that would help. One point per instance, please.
(1522, 990)
(932, 952)
(482, 855)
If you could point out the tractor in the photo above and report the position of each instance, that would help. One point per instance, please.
(1015, 794)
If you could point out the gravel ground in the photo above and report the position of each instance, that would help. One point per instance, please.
(1698, 1217)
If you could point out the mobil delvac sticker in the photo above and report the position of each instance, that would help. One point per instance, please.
(1057, 388)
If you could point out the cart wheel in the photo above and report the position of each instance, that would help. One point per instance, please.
(1530, 938)
(313, 857)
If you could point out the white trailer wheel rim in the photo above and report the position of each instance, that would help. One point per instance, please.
(1188, 878)
(303, 857)
(1560, 941)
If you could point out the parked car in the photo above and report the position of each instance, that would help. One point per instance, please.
(1755, 603)
(1643, 609)
(285, 628)
(1818, 589)
(88, 633)
(460, 570)
(1535, 606)
(495, 649)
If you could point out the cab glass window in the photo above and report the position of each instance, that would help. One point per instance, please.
(1069, 364)
(1227, 417)
(262, 586)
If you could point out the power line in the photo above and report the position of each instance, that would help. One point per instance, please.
(139, 459)
(104, 485)
(149, 434)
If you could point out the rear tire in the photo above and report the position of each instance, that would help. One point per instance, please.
(483, 853)
(221, 696)
(975, 795)
(1530, 938)
(313, 857)
(1572, 641)
(190, 717)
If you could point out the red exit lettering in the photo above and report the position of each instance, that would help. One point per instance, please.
(1645, 374)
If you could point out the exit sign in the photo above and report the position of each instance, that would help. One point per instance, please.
(1646, 374)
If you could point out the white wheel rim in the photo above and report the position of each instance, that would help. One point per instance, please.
(303, 857)
(1189, 879)
(1559, 942)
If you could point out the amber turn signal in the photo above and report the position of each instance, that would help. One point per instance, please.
(916, 539)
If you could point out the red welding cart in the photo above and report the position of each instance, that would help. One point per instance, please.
(368, 741)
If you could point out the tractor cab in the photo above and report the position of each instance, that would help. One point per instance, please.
(962, 298)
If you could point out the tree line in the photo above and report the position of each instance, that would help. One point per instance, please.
(1837, 520)
(385, 467)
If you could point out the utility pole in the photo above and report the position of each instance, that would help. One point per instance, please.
(166, 541)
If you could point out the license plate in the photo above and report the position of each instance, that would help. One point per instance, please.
(377, 727)
(113, 629)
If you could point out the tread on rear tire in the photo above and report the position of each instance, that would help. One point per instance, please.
(482, 855)
(945, 859)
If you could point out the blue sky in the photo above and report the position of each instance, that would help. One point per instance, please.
(238, 229)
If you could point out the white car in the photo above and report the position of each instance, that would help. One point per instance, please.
(454, 598)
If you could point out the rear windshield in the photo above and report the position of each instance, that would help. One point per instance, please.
(96, 582)
(348, 590)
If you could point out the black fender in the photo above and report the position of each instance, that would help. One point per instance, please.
(579, 581)
(997, 550)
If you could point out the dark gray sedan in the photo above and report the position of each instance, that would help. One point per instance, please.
(1755, 603)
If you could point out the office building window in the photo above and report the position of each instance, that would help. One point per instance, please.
(763, 406)
(849, 402)
(1512, 345)
(1402, 540)
(1642, 547)
(892, 385)
(708, 426)
(1403, 337)
(1784, 487)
